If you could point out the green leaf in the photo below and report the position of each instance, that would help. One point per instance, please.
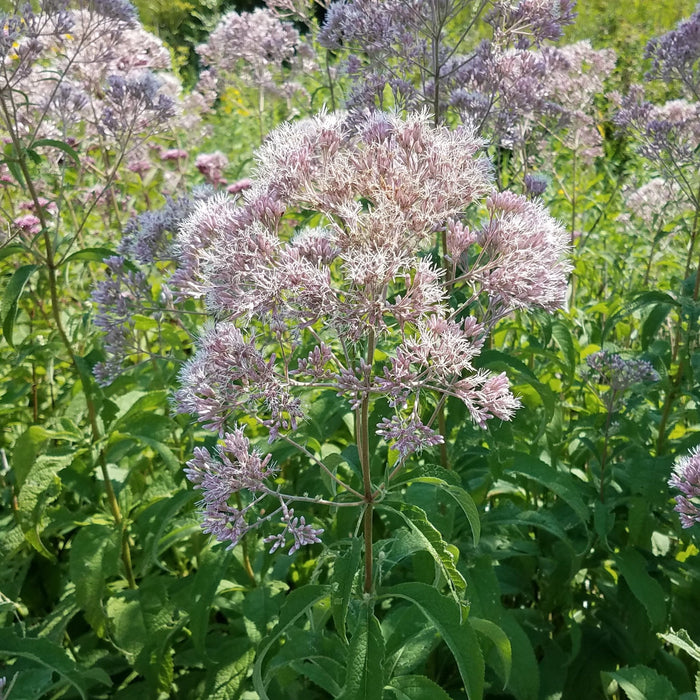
(40, 488)
(464, 501)
(645, 589)
(12, 161)
(485, 597)
(639, 302)
(445, 614)
(425, 471)
(364, 679)
(500, 361)
(416, 688)
(61, 145)
(7, 250)
(682, 640)
(431, 539)
(226, 678)
(161, 621)
(344, 569)
(45, 654)
(653, 322)
(317, 656)
(126, 626)
(322, 671)
(89, 255)
(94, 557)
(641, 683)
(26, 449)
(261, 607)
(562, 337)
(214, 564)
(298, 603)
(509, 514)
(563, 485)
(166, 454)
(158, 524)
(409, 641)
(500, 641)
(10, 299)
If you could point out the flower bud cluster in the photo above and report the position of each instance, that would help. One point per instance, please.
(118, 298)
(617, 372)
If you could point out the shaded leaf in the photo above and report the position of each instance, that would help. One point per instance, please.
(363, 678)
(46, 654)
(298, 603)
(344, 569)
(641, 683)
(10, 299)
(645, 589)
(416, 688)
(445, 614)
(94, 557)
(431, 539)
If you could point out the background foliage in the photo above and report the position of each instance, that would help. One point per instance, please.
(543, 552)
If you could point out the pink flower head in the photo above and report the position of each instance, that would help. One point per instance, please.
(212, 166)
(686, 478)
(28, 223)
(239, 186)
(173, 154)
(352, 302)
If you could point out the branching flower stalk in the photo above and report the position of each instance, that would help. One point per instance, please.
(619, 374)
(320, 277)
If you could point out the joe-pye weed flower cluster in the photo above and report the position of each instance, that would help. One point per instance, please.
(323, 276)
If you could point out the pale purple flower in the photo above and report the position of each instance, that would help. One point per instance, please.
(656, 202)
(140, 166)
(675, 55)
(302, 533)
(417, 51)
(686, 478)
(212, 166)
(149, 236)
(239, 186)
(535, 184)
(133, 105)
(28, 223)
(174, 154)
(522, 261)
(408, 434)
(531, 21)
(238, 469)
(118, 298)
(230, 374)
(619, 373)
(298, 307)
(257, 49)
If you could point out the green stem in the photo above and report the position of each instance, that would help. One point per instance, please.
(363, 445)
(244, 549)
(604, 456)
(330, 80)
